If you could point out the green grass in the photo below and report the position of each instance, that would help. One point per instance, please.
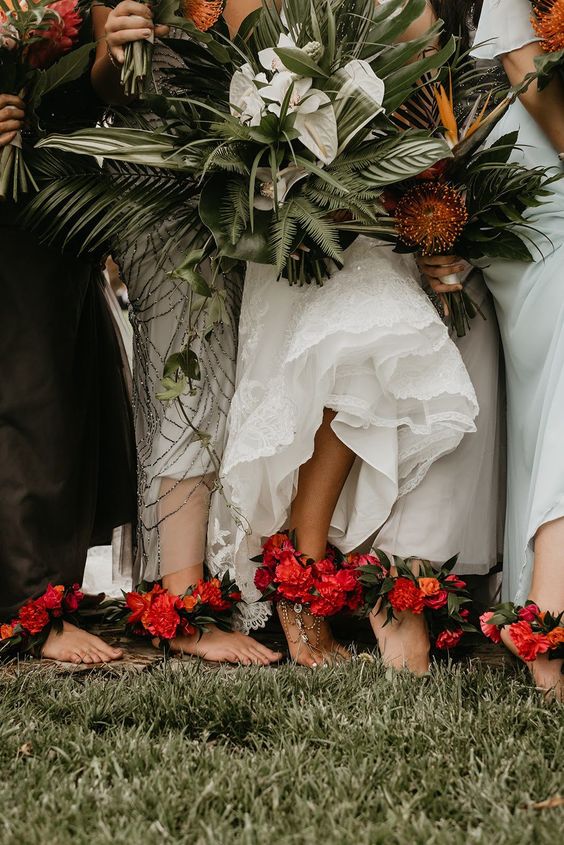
(346, 755)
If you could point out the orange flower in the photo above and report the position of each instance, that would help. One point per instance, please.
(6, 631)
(431, 216)
(548, 23)
(203, 13)
(529, 645)
(429, 586)
(190, 602)
(556, 636)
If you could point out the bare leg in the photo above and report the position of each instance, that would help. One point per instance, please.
(183, 518)
(320, 482)
(72, 645)
(547, 591)
(404, 642)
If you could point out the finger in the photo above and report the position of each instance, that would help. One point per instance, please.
(7, 138)
(438, 260)
(438, 287)
(444, 270)
(162, 31)
(10, 125)
(129, 7)
(11, 100)
(444, 302)
(118, 39)
(11, 113)
(132, 22)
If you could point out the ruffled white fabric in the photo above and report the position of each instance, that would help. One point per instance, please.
(369, 345)
(505, 25)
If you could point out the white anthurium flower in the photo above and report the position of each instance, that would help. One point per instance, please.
(268, 58)
(314, 119)
(245, 96)
(285, 181)
(362, 77)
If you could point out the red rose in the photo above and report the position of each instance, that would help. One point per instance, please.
(437, 601)
(52, 599)
(59, 37)
(489, 631)
(449, 639)
(405, 595)
(162, 619)
(33, 617)
(456, 582)
(72, 598)
(529, 613)
(529, 645)
(263, 579)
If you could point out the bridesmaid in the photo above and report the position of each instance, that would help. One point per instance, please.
(66, 461)
(529, 300)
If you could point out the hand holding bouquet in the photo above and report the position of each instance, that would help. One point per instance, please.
(35, 36)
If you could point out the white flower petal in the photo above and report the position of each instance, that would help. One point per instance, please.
(318, 132)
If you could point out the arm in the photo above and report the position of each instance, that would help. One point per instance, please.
(546, 107)
(11, 118)
(113, 29)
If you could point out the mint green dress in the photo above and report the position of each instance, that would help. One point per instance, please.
(529, 300)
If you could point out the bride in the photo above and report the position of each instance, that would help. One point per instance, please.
(348, 397)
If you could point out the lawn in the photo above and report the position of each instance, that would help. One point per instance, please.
(349, 755)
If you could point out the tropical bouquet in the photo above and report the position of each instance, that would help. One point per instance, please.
(533, 632)
(548, 24)
(188, 15)
(395, 585)
(279, 134)
(37, 38)
(472, 203)
(30, 628)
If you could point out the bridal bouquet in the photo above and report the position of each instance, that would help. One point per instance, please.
(548, 24)
(35, 36)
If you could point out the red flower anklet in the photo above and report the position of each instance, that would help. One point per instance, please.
(532, 631)
(439, 594)
(157, 613)
(27, 632)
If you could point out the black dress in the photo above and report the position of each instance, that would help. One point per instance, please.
(67, 474)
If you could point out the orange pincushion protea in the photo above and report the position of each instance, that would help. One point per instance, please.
(431, 216)
(203, 13)
(548, 23)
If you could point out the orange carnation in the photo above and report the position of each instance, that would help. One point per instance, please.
(6, 631)
(556, 636)
(405, 595)
(429, 586)
(190, 603)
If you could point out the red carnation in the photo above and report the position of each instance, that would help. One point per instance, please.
(488, 630)
(294, 579)
(356, 598)
(263, 579)
(274, 547)
(449, 639)
(209, 593)
(52, 599)
(528, 644)
(33, 617)
(437, 601)
(59, 38)
(138, 603)
(72, 598)
(161, 618)
(321, 606)
(323, 567)
(405, 595)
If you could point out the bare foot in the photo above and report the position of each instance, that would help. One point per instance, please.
(225, 647)
(73, 645)
(403, 643)
(547, 674)
(319, 648)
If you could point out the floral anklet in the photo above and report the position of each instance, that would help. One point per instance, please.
(532, 631)
(28, 631)
(438, 594)
(153, 611)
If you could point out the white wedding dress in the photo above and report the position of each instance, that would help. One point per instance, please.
(370, 345)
